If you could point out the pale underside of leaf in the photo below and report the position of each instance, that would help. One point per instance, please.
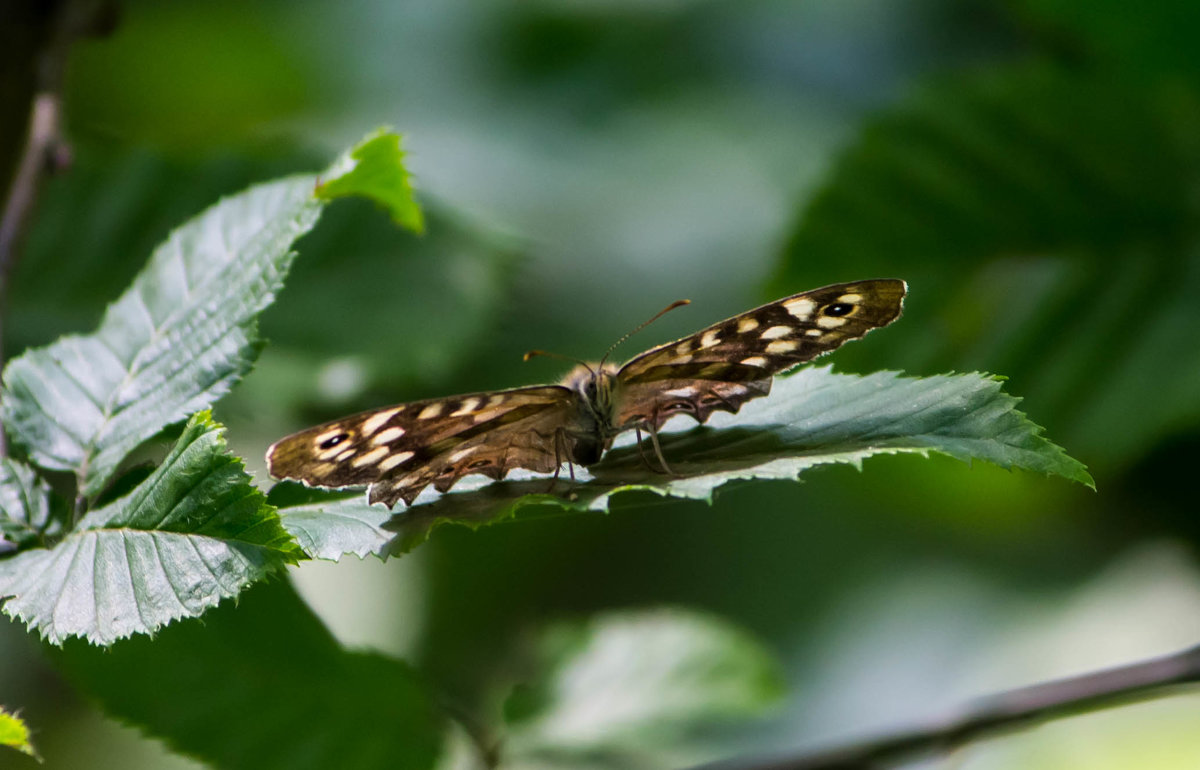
(813, 417)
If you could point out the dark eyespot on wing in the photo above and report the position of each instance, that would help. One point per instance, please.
(333, 441)
(838, 309)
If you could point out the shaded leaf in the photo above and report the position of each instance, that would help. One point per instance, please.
(625, 684)
(1045, 221)
(194, 532)
(175, 342)
(813, 417)
(14, 734)
(25, 513)
(262, 684)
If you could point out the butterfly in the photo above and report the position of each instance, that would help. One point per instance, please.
(400, 450)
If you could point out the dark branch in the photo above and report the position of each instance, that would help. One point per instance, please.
(36, 41)
(1025, 707)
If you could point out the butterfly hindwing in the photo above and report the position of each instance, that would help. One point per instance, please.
(731, 362)
(399, 450)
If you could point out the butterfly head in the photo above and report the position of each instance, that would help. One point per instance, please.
(596, 386)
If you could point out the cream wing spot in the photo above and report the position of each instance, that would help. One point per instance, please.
(710, 338)
(388, 436)
(850, 299)
(346, 455)
(800, 307)
(388, 463)
(830, 322)
(467, 407)
(429, 412)
(336, 431)
(782, 346)
(370, 458)
(460, 454)
(681, 392)
(775, 332)
(377, 421)
(753, 361)
(814, 333)
(747, 324)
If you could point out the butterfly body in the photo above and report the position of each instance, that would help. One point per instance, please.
(401, 449)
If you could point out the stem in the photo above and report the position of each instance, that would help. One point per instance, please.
(43, 142)
(1021, 708)
(45, 29)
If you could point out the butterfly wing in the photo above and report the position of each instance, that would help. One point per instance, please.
(399, 450)
(731, 362)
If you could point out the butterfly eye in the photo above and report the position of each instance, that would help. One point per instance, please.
(838, 309)
(333, 441)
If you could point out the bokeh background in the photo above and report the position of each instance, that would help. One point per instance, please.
(1030, 167)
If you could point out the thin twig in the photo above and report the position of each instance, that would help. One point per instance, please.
(42, 147)
(54, 25)
(986, 717)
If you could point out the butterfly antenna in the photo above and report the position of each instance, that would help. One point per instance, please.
(548, 354)
(644, 324)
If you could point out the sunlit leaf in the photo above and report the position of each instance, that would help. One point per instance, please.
(811, 418)
(374, 168)
(194, 532)
(14, 734)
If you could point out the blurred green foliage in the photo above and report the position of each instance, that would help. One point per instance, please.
(1028, 167)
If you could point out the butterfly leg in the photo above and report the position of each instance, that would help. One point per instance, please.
(637, 431)
(560, 447)
(557, 461)
(653, 430)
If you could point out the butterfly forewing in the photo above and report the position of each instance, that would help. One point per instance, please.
(399, 450)
(731, 362)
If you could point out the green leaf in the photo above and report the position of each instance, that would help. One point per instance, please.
(176, 341)
(25, 512)
(811, 418)
(1045, 221)
(14, 734)
(262, 684)
(194, 532)
(328, 527)
(374, 168)
(625, 684)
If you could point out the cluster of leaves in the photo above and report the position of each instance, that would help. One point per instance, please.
(128, 552)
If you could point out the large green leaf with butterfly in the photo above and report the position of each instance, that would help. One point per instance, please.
(107, 561)
(111, 548)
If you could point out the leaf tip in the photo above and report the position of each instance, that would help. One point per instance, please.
(375, 169)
